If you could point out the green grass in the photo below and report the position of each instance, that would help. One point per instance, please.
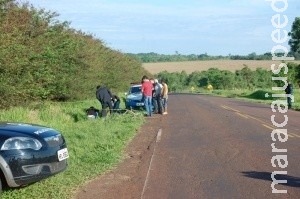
(94, 145)
(254, 95)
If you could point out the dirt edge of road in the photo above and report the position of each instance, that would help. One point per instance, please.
(128, 178)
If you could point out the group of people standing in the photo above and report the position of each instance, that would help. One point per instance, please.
(155, 94)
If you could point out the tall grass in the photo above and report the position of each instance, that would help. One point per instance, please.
(94, 145)
(254, 95)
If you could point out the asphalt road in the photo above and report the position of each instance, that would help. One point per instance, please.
(221, 148)
(212, 147)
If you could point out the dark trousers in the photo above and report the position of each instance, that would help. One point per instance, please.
(289, 101)
(104, 106)
(157, 103)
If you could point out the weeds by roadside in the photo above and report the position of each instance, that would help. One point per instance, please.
(253, 95)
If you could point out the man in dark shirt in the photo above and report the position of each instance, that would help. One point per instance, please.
(289, 92)
(104, 96)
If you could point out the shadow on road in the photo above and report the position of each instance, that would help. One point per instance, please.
(291, 180)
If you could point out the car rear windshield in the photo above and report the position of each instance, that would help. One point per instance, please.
(136, 89)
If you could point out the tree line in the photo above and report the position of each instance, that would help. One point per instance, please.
(42, 58)
(227, 80)
(155, 57)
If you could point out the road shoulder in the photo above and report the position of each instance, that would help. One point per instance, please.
(128, 178)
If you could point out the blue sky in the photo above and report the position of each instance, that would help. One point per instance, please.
(215, 27)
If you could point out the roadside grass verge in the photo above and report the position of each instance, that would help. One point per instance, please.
(94, 145)
(254, 95)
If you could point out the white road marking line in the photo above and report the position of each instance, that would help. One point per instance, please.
(158, 138)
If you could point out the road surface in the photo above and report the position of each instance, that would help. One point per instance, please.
(207, 147)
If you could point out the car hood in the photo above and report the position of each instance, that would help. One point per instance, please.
(135, 96)
(24, 129)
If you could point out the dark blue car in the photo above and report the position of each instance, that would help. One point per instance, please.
(134, 97)
(29, 153)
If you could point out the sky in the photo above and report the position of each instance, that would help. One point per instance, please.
(215, 27)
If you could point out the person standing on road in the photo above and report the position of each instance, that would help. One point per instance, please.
(104, 96)
(147, 88)
(289, 91)
(154, 103)
(157, 97)
(165, 92)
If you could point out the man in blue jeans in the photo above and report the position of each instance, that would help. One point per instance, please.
(147, 88)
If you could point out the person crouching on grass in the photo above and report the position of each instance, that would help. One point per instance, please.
(147, 88)
(116, 103)
(92, 112)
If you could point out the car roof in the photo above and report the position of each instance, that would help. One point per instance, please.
(136, 85)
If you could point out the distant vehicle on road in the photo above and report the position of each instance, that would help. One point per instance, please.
(29, 153)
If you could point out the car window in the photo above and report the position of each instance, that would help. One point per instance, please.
(136, 89)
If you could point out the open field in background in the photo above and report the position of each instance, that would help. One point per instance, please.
(191, 66)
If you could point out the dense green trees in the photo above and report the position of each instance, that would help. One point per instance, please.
(226, 80)
(294, 42)
(42, 58)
